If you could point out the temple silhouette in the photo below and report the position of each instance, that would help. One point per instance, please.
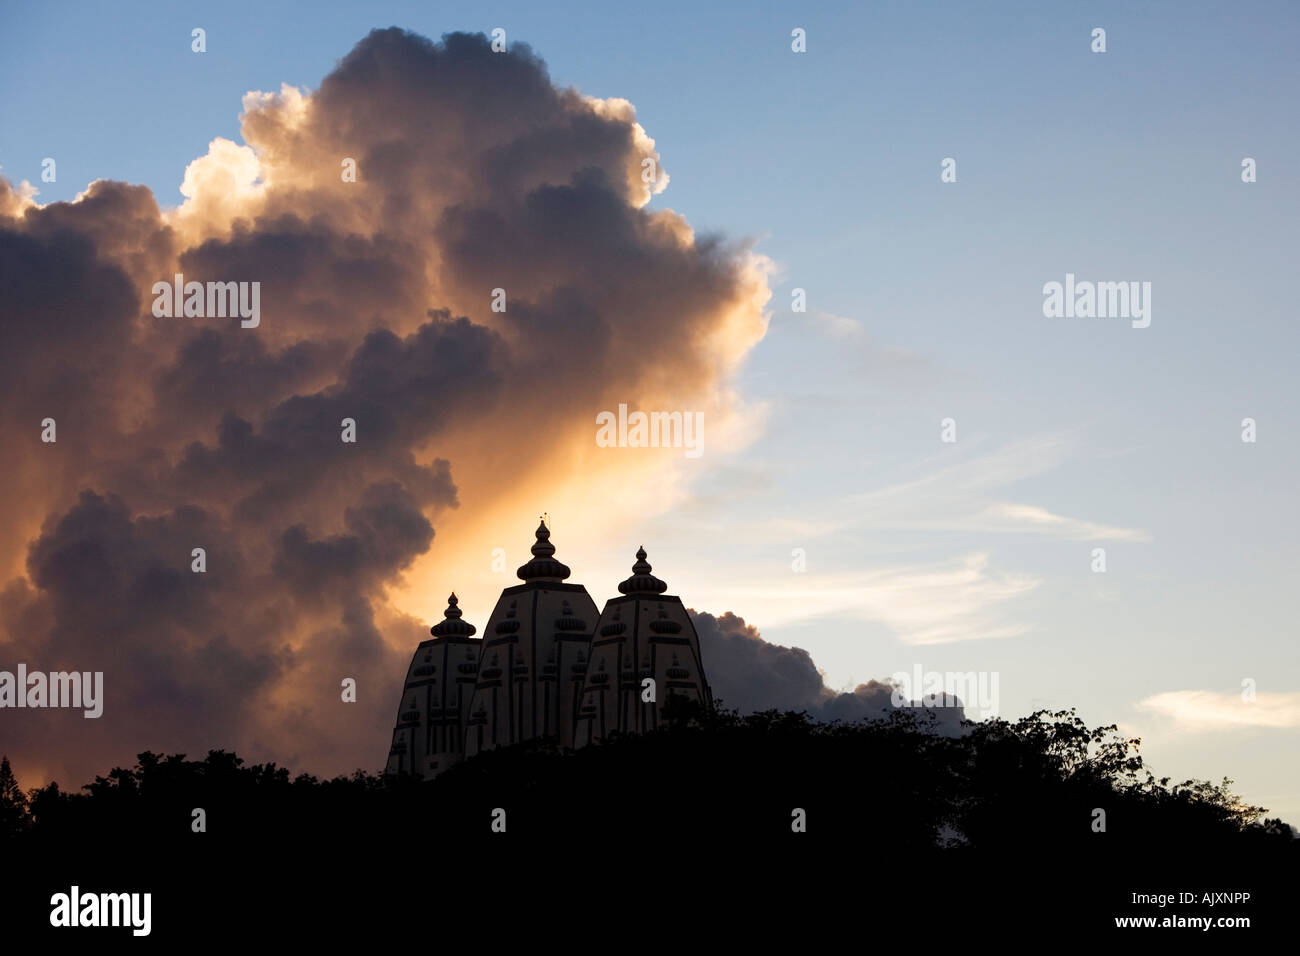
(547, 666)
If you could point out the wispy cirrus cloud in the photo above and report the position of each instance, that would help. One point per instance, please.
(968, 495)
(1201, 711)
(838, 326)
(941, 598)
(1011, 518)
(922, 603)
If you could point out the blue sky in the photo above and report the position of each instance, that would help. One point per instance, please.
(924, 302)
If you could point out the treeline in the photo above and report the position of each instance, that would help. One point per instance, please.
(1044, 781)
(755, 826)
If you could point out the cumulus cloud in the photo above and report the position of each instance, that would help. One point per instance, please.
(474, 172)
(748, 674)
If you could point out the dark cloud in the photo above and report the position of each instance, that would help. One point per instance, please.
(214, 374)
(114, 592)
(748, 675)
(55, 351)
(387, 531)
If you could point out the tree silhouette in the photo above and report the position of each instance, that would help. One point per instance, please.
(13, 803)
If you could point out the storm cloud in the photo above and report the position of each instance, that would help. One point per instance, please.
(474, 172)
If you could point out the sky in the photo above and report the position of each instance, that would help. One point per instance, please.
(817, 171)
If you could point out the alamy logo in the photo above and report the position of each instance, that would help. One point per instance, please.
(195, 300)
(103, 909)
(1098, 300)
(947, 689)
(55, 689)
(651, 430)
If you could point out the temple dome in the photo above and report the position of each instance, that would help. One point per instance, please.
(642, 581)
(543, 566)
(451, 624)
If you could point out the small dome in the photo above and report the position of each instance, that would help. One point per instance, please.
(451, 624)
(642, 581)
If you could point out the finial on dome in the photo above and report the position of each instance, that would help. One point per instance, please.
(642, 581)
(543, 544)
(543, 567)
(451, 624)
